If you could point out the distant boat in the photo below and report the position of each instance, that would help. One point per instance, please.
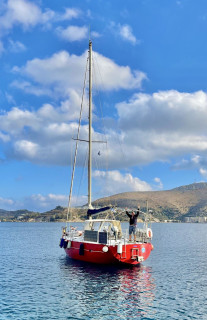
(102, 240)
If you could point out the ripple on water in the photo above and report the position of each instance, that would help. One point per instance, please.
(39, 282)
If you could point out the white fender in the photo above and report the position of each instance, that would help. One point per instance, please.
(149, 233)
(119, 248)
(105, 249)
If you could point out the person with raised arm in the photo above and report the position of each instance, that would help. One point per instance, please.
(132, 223)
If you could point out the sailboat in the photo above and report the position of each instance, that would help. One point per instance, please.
(102, 241)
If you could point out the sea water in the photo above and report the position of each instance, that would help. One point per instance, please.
(38, 281)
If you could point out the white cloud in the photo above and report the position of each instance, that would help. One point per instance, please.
(165, 111)
(73, 33)
(193, 162)
(163, 125)
(124, 31)
(198, 162)
(69, 14)
(203, 172)
(16, 46)
(28, 87)
(40, 202)
(59, 72)
(26, 149)
(5, 203)
(63, 72)
(21, 12)
(126, 34)
(95, 34)
(27, 14)
(15, 120)
(4, 137)
(10, 98)
(113, 182)
(159, 183)
(42, 136)
(149, 128)
(115, 77)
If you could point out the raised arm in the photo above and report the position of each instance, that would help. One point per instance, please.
(128, 213)
(137, 214)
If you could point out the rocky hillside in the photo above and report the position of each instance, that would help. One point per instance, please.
(175, 204)
(57, 214)
(190, 200)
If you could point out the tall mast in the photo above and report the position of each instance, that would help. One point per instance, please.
(90, 125)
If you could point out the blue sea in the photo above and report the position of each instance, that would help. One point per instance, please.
(38, 281)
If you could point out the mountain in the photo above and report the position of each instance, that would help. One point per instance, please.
(17, 213)
(174, 204)
(57, 214)
(178, 203)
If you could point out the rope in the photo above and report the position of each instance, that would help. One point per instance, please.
(76, 148)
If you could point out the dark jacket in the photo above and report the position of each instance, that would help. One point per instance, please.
(133, 219)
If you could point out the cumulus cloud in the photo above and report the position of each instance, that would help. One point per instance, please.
(26, 149)
(163, 125)
(126, 79)
(159, 127)
(6, 203)
(198, 162)
(188, 164)
(62, 72)
(126, 34)
(27, 14)
(58, 73)
(42, 136)
(4, 137)
(21, 12)
(35, 202)
(149, 128)
(114, 181)
(70, 13)
(124, 31)
(29, 88)
(165, 111)
(156, 127)
(40, 202)
(203, 172)
(72, 33)
(75, 33)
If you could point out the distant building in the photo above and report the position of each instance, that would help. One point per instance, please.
(195, 219)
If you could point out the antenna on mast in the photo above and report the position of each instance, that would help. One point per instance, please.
(89, 30)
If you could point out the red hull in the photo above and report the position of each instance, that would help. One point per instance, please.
(132, 253)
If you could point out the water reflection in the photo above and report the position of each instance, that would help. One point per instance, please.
(109, 291)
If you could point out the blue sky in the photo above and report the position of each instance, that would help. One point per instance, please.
(149, 97)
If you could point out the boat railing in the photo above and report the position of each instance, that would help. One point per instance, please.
(141, 235)
(105, 237)
(72, 233)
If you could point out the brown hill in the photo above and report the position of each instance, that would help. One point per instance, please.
(175, 204)
(190, 200)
